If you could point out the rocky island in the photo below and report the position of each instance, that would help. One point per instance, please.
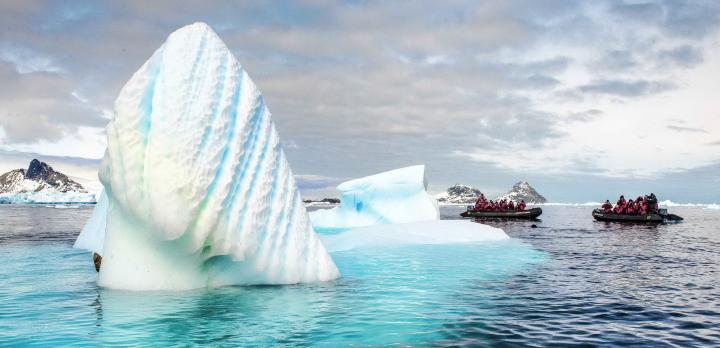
(40, 183)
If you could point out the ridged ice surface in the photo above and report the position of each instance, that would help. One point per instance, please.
(200, 192)
(396, 196)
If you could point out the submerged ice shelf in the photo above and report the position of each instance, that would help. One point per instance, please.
(424, 232)
(396, 196)
(199, 192)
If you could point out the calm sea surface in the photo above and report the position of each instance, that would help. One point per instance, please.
(571, 281)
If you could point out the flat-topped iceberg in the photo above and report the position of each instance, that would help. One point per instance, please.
(396, 196)
(199, 192)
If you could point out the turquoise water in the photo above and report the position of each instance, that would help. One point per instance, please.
(404, 295)
(571, 281)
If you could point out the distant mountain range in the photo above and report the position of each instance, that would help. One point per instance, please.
(40, 183)
(459, 194)
(463, 194)
(523, 191)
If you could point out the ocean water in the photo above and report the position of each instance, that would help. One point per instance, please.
(569, 281)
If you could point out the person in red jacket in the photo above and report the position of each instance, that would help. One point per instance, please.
(621, 208)
(630, 208)
(607, 207)
(621, 201)
(521, 205)
(479, 204)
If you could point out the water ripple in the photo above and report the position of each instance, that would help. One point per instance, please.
(572, 282)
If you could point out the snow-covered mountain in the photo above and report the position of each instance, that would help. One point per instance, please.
(459, 194)
(41, 184)
(523, 191)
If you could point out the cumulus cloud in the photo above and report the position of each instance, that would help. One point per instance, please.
(39, 105)
(313, 182)
(353, 81)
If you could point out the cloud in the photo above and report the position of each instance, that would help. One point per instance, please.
(540, 81)
(647, 12)
(691, 20)
(398, 83)
(626, 88)
(314, 182)
(39, 105)
(584, 116)
(686, 56)
(617, 60)
(686, 129)
(27, 61)
(673, 17)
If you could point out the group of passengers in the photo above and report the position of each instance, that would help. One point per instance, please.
(640, 206)
(482, 204)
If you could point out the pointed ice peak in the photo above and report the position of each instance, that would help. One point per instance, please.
(191, 32)
(199, 190)
(197, 27)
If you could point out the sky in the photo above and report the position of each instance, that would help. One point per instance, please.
(585, 100)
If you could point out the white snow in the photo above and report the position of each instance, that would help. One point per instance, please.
(669, 203)
(425, 232)
(458, 195)
(396, 196)
(199, 190)
(47, 197)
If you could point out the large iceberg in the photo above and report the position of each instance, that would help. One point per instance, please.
(199, 192)
(396, 196)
